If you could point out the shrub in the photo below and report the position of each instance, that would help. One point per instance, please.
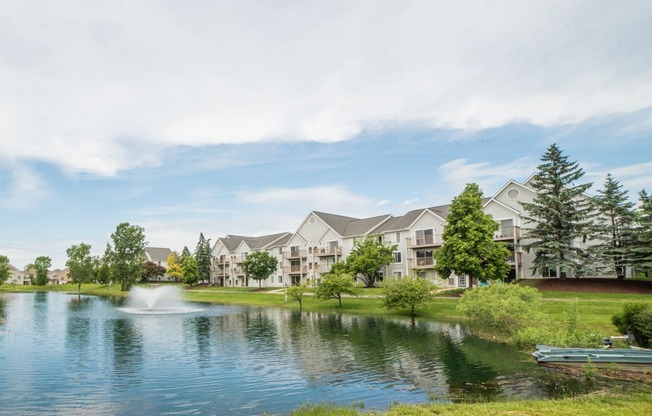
(637, 319)
(407, 292)
(530, 336)
(505, 307)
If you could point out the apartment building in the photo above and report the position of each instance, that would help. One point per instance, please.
(322, 239)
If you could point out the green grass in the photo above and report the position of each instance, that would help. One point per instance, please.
(591, 405)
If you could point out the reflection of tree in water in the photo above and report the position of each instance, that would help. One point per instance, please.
(127, 352)
(202, 329)
(78, 328)
(437, 358)
(260, 329)
(3, 309)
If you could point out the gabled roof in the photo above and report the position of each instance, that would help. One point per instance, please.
(157, 254)
(349, 226)
(232, 242)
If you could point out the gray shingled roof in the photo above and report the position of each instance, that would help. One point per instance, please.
(158, 254)
(231, 242)
(349, 226)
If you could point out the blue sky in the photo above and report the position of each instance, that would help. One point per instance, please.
(241, 117)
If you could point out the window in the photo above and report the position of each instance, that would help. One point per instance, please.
(397, 257)
(424, 237)
(280, 250)
(294, 251)
(425, 258)
(244, 255)
(280, 279)
(451, 281)
(398, 274)
(461, 281)
(398, 237)
(549, 272)
(380, 238)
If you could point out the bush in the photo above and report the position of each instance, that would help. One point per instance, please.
(407, 292)
(530, 336)
(637, 319)
(506, 307)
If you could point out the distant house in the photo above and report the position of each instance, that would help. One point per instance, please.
(18, 277)
(159, 256)
(58, 276)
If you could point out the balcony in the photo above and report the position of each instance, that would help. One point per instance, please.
(296, 269)
(238, 271)
(421, 263)
(515, 259)
(328, 251)
(295, 254)
(508, 233)
(427, 241)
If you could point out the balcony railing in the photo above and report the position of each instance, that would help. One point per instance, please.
(238, 271)
(508, 233)
(427, 241)
(297, 269)
(295, 254)
(328, 251)
(421, 263)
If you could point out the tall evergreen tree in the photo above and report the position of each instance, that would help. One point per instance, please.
(613, 228)
(642, 247)
(561, 215)
(469, 248)
(203, 257)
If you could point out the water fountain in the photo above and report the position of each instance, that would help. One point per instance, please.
(158, 300)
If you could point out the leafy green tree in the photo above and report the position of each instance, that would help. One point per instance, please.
(41, 266)
(259, 265)
(126, 255)
(174, 267)
(296, 292)
(203, 257)
(190, 272)
(642, 247)
(614, 228)
(4, 269)
(102, 274)
(334, 285)
(367, 258)
(80, 265)
(561, 215)
(409, 291)
(469, 248)
(151, 271)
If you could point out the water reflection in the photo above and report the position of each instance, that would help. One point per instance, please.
(127, 352)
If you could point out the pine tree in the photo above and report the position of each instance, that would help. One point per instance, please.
(642, 247)
(469, 248)
(613, 228)
(203, 257)
(561, 215)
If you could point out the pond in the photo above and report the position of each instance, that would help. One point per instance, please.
(64, 355)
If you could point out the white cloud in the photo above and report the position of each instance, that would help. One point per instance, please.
(633, 177)
(26, 188)
(457, 173)
(101, 88)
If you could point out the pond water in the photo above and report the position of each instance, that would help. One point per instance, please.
(64, 355)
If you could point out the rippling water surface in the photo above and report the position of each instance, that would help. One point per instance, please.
(64, 355)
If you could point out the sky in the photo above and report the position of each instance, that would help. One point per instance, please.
(240, 117)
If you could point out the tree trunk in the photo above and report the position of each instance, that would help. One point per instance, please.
(339, 297)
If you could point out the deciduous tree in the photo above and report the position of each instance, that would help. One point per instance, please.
(80, 265)
(4, 268)
(174, 267)
(334, 285)
(190, 272)
(561, 215)
(469, 248)
(296, 292)
(126, 255)
(41, 265)
(259, 265)
(152, 271)
(367, 258)
(409, 291)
